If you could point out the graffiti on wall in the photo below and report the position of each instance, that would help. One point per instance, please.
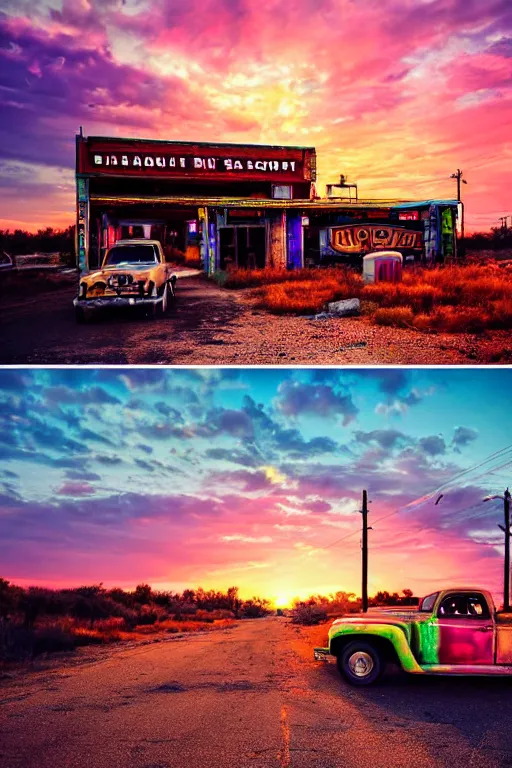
(355, 238)
(448, 239)
(82, 222)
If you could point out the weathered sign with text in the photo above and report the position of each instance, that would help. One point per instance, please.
(127, 157)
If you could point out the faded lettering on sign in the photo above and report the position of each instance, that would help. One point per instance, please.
(138, 162)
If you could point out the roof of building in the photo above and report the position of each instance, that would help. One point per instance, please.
(236, 202)
(122, 139)
(422, 203)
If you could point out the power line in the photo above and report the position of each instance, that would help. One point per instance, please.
(429, 495)
(470, 469)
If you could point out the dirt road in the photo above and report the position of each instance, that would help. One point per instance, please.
(211, 326)
(246, 697)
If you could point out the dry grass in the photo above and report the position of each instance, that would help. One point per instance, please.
(20, 644)
(173, 626)
(304, 297)
(250, 278)
(310, 294)
(454, 299)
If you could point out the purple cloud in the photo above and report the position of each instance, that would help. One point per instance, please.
(295, 398)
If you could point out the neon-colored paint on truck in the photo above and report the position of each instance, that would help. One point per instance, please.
(453, 631)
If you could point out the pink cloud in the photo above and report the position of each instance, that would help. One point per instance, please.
(76, 489)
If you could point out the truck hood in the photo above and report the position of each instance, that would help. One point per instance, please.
(404, 620)
(382, 617)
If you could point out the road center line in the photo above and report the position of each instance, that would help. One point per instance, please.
(284, 753)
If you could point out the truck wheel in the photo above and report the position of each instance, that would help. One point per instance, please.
(360, 663)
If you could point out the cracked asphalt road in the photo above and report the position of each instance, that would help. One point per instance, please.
(246, 697)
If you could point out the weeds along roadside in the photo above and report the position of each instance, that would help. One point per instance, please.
(462, 298)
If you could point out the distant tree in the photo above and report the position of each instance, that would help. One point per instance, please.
(143, 594)
(10, 598)
(118, 595)
(91, 591)
(189, 595)
(255, 608)
(47, 240)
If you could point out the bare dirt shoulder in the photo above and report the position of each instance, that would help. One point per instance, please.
(260, 338)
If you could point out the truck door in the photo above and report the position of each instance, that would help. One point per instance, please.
(466, 629)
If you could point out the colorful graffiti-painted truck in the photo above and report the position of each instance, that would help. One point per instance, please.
(452, 632)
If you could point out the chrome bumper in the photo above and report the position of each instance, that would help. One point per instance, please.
(116, 301)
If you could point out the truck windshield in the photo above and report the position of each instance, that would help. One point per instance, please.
(427, 604)
(132, 254)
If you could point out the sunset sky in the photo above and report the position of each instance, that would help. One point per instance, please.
(249, 477)
(397, 94)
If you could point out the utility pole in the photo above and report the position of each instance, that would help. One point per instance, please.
(364, 547)
(460, 180)
(506, 530)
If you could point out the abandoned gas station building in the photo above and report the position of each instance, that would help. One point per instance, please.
(242, 205)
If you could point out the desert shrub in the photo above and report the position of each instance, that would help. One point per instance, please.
(304, 297)
(184, 609)
(256, 608)
(252, 278)
(501, 314)
(201, 615)
(52, 638)
(400, 317)
(308, 615)
(114, 624)
(216, 615)
(16, 642)
(147, 616)
(83, 636)
(128, 615)
(461, 298)
(10, 598)
(459, 319)
(420, 297)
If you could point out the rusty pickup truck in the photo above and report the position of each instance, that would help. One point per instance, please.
(454, 631)
(134, 273)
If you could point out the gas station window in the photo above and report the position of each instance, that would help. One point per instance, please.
(281, 192)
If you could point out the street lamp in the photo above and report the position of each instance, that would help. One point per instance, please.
(506, 530)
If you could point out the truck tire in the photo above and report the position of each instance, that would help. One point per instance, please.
(360, 663)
